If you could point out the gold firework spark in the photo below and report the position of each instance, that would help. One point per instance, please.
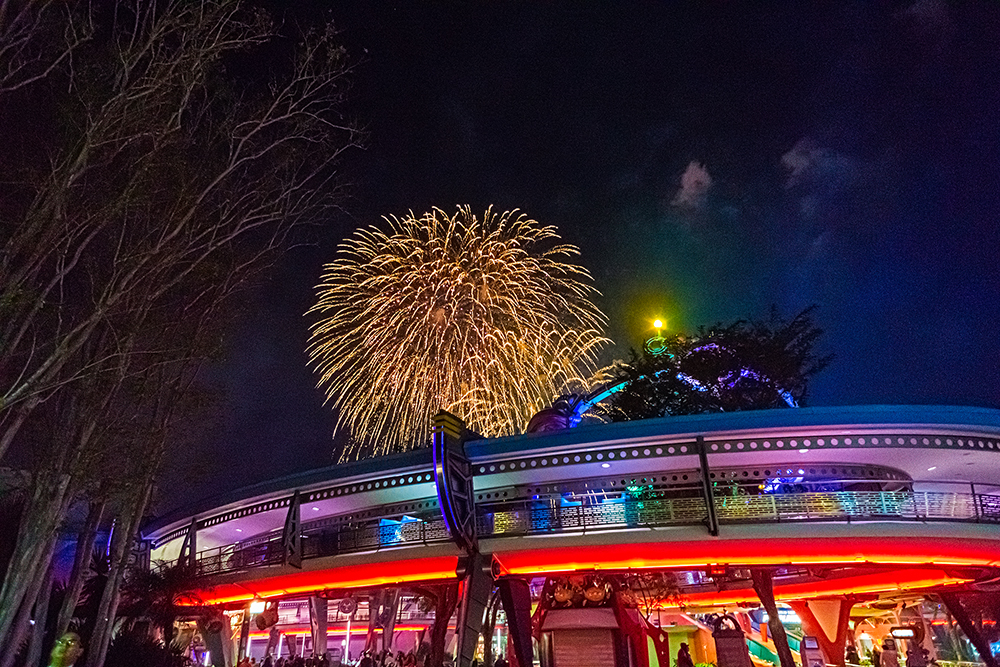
(486, 318)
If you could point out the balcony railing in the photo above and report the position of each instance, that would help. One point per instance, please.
(372, 535)
(553, 514)
(556, 514)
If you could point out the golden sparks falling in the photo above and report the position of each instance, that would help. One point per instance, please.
(486, 318)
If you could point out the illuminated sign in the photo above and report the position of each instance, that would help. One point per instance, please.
(903, 633)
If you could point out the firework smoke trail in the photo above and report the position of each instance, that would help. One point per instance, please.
(485, 318)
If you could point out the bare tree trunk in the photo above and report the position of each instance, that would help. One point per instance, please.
(84, 552)
(21, 625)
(41, 618)
(121, 549)
(17, 421)
(41, 518)
(167, 198)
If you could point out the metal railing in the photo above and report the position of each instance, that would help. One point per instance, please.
(358, 537)
(734, 504)
(553, 514)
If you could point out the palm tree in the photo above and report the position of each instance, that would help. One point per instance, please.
(161, 595)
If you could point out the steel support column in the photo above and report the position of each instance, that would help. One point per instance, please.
(706, 487)
(818, 616)
(954, 604)
(477, 585)
(241, 652)
(318, 614)
(189, 548)
(453, 479)
(291, 538)
(516, 598)
(763, 584)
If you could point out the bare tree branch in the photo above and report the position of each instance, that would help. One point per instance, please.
(172, 177)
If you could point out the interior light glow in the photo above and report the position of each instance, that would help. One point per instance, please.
(785, 615)
(335, 629)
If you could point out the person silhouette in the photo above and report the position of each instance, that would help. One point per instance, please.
(684, 656)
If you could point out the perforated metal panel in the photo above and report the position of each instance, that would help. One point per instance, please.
(591, 647)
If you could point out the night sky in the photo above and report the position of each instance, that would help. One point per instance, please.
(710, 159)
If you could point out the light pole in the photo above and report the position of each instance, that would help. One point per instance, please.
(657, 344)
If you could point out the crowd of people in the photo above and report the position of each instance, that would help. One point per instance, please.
(887, 655)
(419, 658)
(295, 661)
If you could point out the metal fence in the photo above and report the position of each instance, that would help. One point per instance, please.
(372, 535)
(553, 514)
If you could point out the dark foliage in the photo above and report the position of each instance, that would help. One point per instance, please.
(148, 597)
(134, 646)
(746, 365)
(90, 597)
(157, 594)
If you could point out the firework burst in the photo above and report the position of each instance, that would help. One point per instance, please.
(487, 318)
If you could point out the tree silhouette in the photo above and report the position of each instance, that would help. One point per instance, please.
(174, 148)
(746, 365)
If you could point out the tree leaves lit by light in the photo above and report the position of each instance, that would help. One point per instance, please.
(486, 317)
(747, 365)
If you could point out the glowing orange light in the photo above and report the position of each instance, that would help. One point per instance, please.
(745, 552)
(876, 582)
(355, 576)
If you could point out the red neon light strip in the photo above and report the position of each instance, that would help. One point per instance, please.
(305, 631)
(743, 552)
(693, 554)
(355, 576)
(876, 582)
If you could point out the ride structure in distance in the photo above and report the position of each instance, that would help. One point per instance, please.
(487, 318)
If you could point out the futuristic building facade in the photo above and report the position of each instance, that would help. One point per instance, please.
(837, 505)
